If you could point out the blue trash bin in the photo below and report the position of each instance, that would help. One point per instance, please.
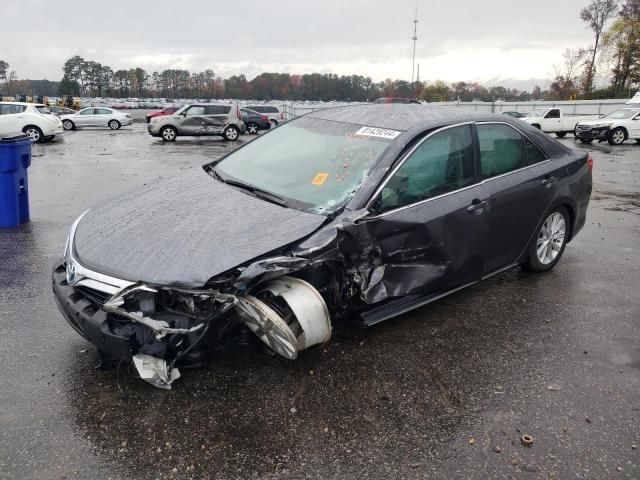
(15, 158)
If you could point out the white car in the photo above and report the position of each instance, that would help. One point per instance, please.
(96, 117)
(616, 127)
(34, 119)
(553, 120)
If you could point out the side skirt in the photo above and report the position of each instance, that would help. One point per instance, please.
(406, 304)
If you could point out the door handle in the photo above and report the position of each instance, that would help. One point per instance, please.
(547, 181)
(477, 205)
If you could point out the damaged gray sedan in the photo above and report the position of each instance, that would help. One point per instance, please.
(361, 212)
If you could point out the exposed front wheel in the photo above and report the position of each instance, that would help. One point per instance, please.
(548, 245)
(561, 134)
(231, 133)
(252, 128)
(114, 124)
(68, 125)
(616, 136)
(168, 134)
(33, 132)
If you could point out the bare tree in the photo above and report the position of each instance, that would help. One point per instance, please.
(565, 76)
(4, 67)
(596, 15)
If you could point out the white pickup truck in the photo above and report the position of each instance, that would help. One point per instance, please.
(616, 127)
(552, 120)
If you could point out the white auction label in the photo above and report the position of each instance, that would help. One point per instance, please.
(378, 132)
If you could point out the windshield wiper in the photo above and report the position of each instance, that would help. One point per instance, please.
(256, 191)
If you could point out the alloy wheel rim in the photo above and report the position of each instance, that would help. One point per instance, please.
(67, 124)
(33, 134)
(618, 137)
(231, 134)
(168, 134)
(113, 125)
(551, 238)
(252, 129)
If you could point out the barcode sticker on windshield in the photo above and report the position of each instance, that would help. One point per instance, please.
(378, 132)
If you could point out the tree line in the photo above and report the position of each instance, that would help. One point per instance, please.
(615, 52)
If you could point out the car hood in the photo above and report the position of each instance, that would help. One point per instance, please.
(597, 121)
(185, 231)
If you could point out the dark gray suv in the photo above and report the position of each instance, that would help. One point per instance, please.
(198, 119)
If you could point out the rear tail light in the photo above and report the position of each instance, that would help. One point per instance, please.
(281, 115)
(590, 162)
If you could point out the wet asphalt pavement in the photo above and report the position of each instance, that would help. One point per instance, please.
(443, 392)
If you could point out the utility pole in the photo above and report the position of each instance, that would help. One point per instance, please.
(414, 38)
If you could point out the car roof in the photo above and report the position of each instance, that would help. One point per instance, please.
(402, 116)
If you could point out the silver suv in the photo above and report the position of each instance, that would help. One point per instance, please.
(271, 111)
(199, 119)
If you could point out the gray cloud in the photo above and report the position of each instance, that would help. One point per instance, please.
(371, 37)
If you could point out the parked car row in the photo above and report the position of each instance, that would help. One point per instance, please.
(618, 126)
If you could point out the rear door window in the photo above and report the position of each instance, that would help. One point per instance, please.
(258, 109)
(88, 111)
(218, 109)
(501, 150)
(8, 109)
(103, 111)
(534, 154)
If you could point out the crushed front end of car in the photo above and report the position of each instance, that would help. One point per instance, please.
(162, 328)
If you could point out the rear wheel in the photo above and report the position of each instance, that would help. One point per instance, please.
(68, 125)
(231, 133)
(547, 247)
(252, 128)
(114, 124)
(168, 134)
(274, 123)
(616, 136)
(33, 132)
(561, 134)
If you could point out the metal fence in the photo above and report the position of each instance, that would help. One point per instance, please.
(569, 108)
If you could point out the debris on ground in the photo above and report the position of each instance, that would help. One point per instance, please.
(526, 440)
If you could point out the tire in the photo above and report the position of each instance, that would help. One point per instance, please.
(231, 133)
(114, 124)
(34, 133)
(168, 134)
(561, 134)
(68, 125)
(252, 128)
(617, 136)
(586, 141)
(548, 245)
(274, 123)
(638, 140)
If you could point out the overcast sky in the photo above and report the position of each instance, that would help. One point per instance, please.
(490, 41)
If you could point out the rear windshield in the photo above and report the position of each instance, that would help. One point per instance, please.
(621, 114)
(43, 109)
